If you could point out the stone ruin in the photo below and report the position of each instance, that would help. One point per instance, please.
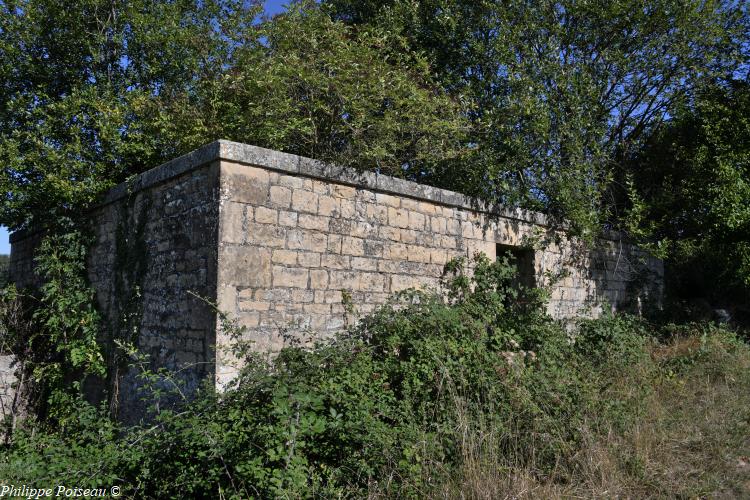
(273, 239)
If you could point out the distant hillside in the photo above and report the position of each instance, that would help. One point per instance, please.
(4, 268)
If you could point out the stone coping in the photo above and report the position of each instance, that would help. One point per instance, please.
(308, 167)
(299, 165)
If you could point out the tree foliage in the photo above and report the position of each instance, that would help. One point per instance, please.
(558, 91)
(4, 269)
(691, 192)
(98, 90)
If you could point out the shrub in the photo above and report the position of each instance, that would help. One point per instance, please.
(396, 406)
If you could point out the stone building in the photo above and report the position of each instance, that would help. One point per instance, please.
(273, 240)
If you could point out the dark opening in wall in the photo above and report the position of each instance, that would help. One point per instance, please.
(523, 259)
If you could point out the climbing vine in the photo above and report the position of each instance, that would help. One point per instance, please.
(131, 257)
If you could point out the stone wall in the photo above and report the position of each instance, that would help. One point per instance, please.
(153, 261)
(276, 240)
(296, 235)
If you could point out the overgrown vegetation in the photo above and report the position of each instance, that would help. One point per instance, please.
(4, 270)
(473, 393)
(691, 191)
(629, 114)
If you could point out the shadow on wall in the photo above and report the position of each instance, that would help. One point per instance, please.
(620, 275)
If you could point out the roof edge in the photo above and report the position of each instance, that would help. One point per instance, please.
(299, 165)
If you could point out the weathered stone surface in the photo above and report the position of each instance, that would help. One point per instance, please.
(274, 239)
(248, 266)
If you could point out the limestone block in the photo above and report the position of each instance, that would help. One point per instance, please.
(438, 256)
(251, 305)
(266, 215)
(273, 295)
(365, 229)
(374, 248)
(377, 213)
(410, 236)
(289, 277)
(328, 206)
(427, 208)
(398, 217)
(388, 266)
(387, 200)
(232, 220)
(245, 184)
(352, 246)
(288, 257)
(334, 243)
(308, 259)
(268, 235)
(321, 187)
(288, 219)
(281, 196)
(416, 221)
(438, 224)
(318, 279)
(346, 192)
(398, 251)
(302, 296)
(304, 201)
(291, 182)
(319, 309)
(344, 280)
(315, 222)
(348, 209)
(389, 233)
(409, 204)
(448, 242)
(249, 319)
(341, 226)
(416, 253)
(335, 261)
(333, 297)
(468, 230)
(245, 266)
(453, 227)
(488, 248)
(364, 263)
(401, 282)
(302, 239)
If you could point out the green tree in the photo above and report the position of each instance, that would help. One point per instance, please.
(98, 90)
(691, 192)
(342, 96)
(4, 269)
(559, 91)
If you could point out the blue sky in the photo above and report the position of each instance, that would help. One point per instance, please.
(272, 7)
(275, 6)
(4, 246)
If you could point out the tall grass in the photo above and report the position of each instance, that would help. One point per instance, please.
(690, 440)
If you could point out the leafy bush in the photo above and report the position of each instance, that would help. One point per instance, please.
(394, 406)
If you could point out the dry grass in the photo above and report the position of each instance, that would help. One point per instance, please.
(691, 441)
